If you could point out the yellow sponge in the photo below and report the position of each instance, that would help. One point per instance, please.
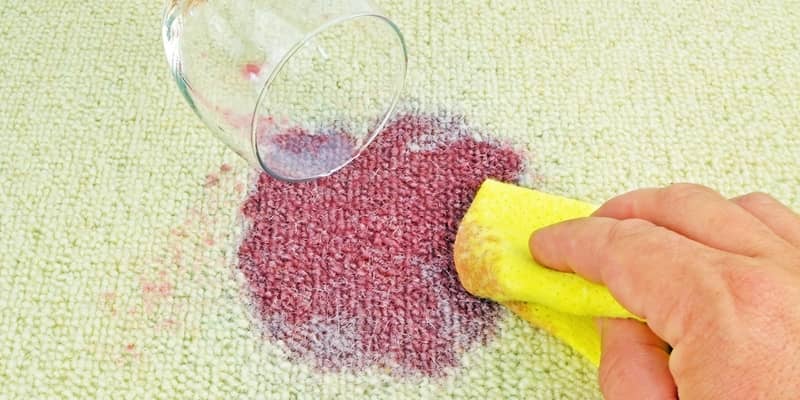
(493, 261)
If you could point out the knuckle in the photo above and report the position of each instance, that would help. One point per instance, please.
(756, 199)
(626, 229)
(753, 288)
(737, 279)
(641, 236)
(680, 193)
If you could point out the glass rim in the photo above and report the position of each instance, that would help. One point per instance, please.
(287, 56)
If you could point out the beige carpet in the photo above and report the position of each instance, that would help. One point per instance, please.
(120, 213)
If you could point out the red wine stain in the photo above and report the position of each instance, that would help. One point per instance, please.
(355, 270)
(297, 154)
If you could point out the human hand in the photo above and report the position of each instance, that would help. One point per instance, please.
(717, 280)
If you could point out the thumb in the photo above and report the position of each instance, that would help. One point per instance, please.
(634, 363)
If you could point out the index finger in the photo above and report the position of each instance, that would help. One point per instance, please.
(655, 273)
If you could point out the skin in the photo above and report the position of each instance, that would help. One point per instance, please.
(716, 279)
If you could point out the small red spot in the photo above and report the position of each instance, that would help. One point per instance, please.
(251, 71)
(239, 188)
(355, 270)
(225, 168)
(177, 258)
(157, 288)
(179, 233)
(167, 325)
(211, 180)
(130, 347)
(109, 301)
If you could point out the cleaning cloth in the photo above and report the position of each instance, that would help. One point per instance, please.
(493, 261)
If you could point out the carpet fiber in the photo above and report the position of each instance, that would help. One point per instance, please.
(139, 258)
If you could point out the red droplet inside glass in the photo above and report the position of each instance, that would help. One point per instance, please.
(251, 71)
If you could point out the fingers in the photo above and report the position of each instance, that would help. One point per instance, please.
(634, 362)
(698, 213)
(781, 219)
(653, 272)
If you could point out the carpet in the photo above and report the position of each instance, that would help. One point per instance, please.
(140, 258)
